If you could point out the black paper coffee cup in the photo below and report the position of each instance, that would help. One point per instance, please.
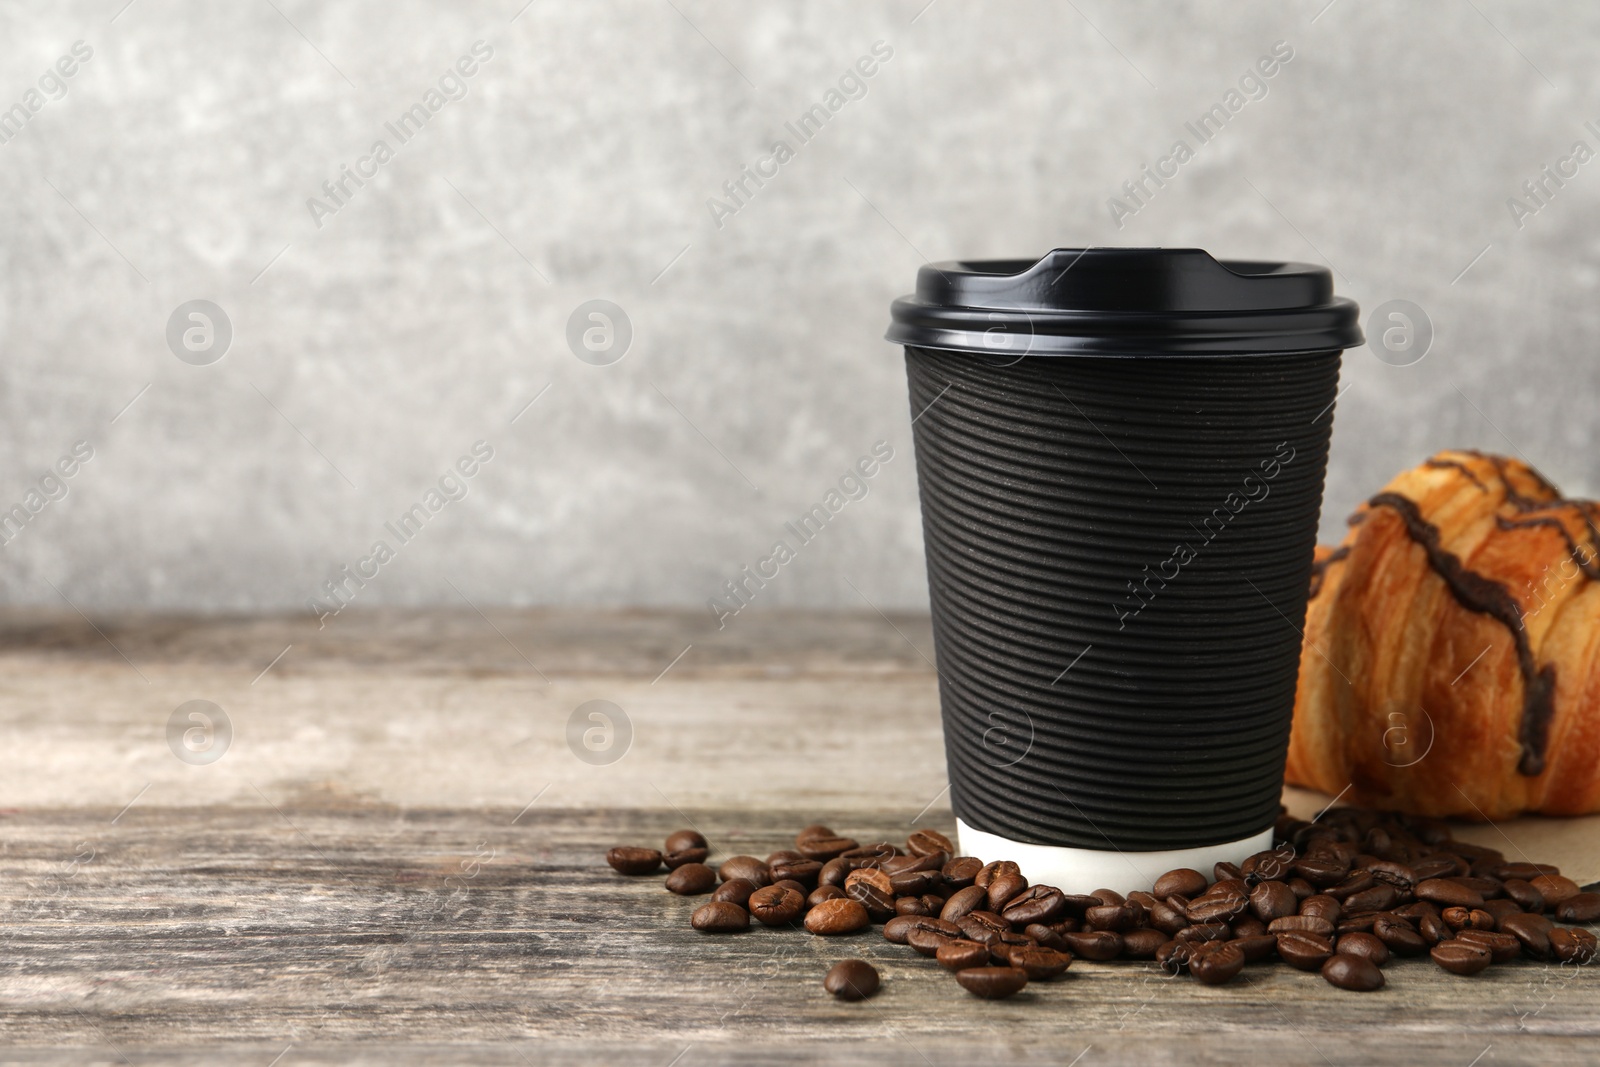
(1120, 456)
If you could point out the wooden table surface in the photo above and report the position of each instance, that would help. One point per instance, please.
(398, 859)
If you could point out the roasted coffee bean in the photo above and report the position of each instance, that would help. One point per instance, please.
(1170, 920)
(1047, 935)
(1504, 872)
(1036, 904)
(797, 870)
(823, 892)
(782, 855)
(1357, 881)
(1141, 898)
(1173, 957)
(777, 905)
(1229, 886)
(1415, 910)
(1136, 944)
(1216, 963)
(992, 983)
(813, 831)
(834, 917)
(1201, 932)
(1569, 944)
(1271, 865)
(1447, 893)
(1502, 947)
(1003, 888)
(1321, 870)
(960, 954)
(1256, 947)
(928, 842)
(895, 865)
(1109, 896)
(1248, 926)
(963, 902)
(1351, 924)
(1323, 906)
(1482, 859)
(976, 923)
(823, 849)
(983, 935)
(1269, 901)
(926, 935)
(1579, 908)
(834, 872)
(1468, 918)
(692, 879)
(1184, 881)
(873, 890)
(1366, 946)
(1223, 872)
(1301, 887)
(1533, 931)
(1039, 963)
(915, 883)
(1433, 929)
(1460, 957)
(1225, 905)
(1401, 939)
(720, 917)
(990, 871)
(1352, 972)
(747, 867)
(735, 891)
(625, 859)
(1435, 867)
(1078, 903)
(1120, 918)
(1094, 945)
(962, 871)
(790, 883)
(1487, 888)
(1343, 851)
(851, 980)
(869, 876)
(677, 859)
(1523, 892)
(1307, 924)
(911, 906)
(872, 855)
(1396, 874)
(1380, 896)
(681, 840)
(897, 928)
(1501, 909)
(1304, 951)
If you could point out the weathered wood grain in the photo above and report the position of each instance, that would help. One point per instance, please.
(362, 877)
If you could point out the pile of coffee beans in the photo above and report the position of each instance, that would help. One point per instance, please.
(1342, 896)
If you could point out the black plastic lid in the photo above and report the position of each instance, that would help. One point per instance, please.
(1125, 302)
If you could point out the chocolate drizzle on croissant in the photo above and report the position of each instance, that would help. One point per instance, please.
(1409, 696)
(1319, 568)
(1456, 465)
(1477, 593)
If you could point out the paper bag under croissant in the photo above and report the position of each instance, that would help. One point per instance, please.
(1451, 647)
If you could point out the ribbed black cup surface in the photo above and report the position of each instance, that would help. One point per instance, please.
(1080, 710)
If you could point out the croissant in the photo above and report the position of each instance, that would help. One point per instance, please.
(1452, 641)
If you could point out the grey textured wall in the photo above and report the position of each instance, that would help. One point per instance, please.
(374, 343)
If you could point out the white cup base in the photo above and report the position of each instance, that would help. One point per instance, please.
(1083, 870)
